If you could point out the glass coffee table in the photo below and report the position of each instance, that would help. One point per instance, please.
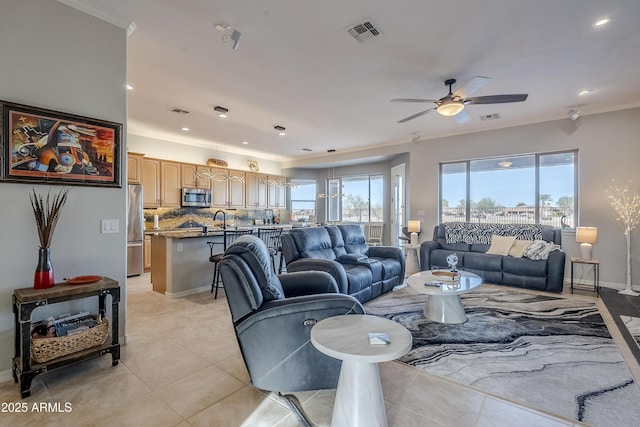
(444, 304)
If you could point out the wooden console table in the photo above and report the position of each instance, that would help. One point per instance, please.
(25, 300)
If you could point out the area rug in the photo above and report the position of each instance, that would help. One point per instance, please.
(548, 352)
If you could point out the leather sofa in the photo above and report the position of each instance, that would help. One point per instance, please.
(360, 270)
(543, 274)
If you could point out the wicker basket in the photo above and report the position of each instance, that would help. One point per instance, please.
(45, 349)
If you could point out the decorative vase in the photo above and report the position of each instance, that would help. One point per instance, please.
(44, 273)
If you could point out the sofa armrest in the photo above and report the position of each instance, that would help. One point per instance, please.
(425, 253)
(334, 268)
(385, 252)
(353, 259)
(555, 271)
(284, 326)
(307, 283)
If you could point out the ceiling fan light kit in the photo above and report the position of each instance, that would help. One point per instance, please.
(449, 109)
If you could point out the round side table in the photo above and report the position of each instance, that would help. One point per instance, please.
(359, 400)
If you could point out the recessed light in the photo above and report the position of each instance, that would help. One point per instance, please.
(221, 110)
(185, 129)
(584, 92)
(129, 87)
(245, 142)
(280, 130)
(601, 22)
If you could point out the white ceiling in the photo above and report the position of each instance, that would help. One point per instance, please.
(297, 66)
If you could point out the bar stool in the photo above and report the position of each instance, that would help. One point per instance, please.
(229, 237)
(271, 237)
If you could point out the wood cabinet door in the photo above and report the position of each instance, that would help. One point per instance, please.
(170, 186)
(147, 253)
(277, 194)
(236, 189)
(150, 183)
(134, 168)
(256, 190)
(220, 190)
(188, 175)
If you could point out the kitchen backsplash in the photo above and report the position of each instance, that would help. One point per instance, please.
(171, 218)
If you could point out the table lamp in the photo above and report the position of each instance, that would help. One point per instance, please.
(413, 227)
(586, 236)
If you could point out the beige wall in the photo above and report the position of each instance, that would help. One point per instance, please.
(608, 146)
(59, 58)
(181, 152)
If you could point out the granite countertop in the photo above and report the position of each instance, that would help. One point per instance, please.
(190, 233)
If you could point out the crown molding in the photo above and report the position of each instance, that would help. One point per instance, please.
(100, 13)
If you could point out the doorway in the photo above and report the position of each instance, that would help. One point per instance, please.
(398, 199)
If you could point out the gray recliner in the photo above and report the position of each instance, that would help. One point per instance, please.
(273, 315)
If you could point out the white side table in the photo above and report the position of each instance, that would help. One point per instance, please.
(412, 254)
(359, 400)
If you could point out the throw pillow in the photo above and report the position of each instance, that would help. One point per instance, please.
(518, 248)
(500, 245)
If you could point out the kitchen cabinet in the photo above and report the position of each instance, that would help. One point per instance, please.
(190, 179)
(160, 183)
(229, 193)
(147, 253)
(256, 190)
(170, 184)
(134, 168)
(150, 182)
(277, 194)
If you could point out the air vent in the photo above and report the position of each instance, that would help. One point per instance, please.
(493, 116)
(364, 31)
(179, 110)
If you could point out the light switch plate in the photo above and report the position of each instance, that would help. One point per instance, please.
(109, 226)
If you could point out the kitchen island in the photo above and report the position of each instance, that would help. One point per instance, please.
(180, 260)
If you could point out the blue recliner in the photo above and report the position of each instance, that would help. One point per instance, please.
(273, 315)
(360, 270)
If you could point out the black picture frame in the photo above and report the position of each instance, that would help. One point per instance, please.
(41, 146)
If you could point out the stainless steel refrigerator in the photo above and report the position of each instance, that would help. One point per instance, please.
(135, 231)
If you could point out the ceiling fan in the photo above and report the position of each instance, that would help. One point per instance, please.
(454, 102)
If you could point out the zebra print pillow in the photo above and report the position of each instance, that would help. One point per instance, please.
(472, 234)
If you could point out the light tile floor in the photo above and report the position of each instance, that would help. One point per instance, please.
(182, 367)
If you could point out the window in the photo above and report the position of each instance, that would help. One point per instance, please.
(359, 199)
(536, 188)
(303, 200)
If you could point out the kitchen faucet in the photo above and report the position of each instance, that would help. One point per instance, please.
(224, 218)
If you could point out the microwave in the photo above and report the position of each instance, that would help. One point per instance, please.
(197, 197)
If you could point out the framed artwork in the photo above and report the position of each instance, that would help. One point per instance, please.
(253, 165)
(41, 146)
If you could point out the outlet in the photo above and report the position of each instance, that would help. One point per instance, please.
(180, 247)
(109, 226)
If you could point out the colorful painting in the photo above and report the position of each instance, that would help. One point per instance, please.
(49, 147)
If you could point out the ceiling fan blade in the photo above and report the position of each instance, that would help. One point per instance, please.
(412, 100)
(497, 99)
(461, 117)
(471, 87)
(415, 116)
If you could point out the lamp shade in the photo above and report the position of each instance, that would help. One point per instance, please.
(587, 234)
(413, 227)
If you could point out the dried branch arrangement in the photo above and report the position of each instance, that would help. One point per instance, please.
(47, 212)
